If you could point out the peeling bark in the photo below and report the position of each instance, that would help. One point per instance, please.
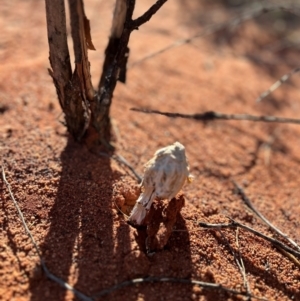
(84, 108)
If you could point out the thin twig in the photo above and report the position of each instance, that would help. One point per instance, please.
(120, 159)
(239, 261)
(19, 212)
(51, 276)
(242, 266)
(148, 14)
(247, 201)
(211, 29)
(233, 224)
(291, 257)
(120, 210)
(211, 115)
(277, 84)
(206, 285)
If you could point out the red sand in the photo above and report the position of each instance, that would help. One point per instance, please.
(67, 194)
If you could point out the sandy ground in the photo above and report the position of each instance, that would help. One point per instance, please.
(67, 194)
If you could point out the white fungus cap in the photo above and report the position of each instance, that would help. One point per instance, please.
(165, 174)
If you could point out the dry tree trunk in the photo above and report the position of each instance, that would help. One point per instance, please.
(75, 89)
(115, 54)
(87, 110)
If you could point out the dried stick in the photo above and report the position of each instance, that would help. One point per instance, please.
(73, 89)
(291, 257)
(211, 115)
(51, 276)
(234, 224)
(135, 24)
(205, 285)
(82, 41)
(116, 56)
(277, 84)
(57, 35)
(239, 261)
(247, 201)
(214, 29)
(120, 159)
(242, 266)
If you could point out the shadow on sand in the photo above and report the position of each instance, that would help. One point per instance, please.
(79, 246)
(88, 244)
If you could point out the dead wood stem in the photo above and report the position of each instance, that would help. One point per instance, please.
(277, 84)
(242, 266)
(83, 108)
(211, 115)
(211, 29)
(69, 86)
(205, 285)
(239, 261)
(81, 41)
(234, 224)
(135, 24)
(121, 160)
(57, 38)
(247, 201)
(116, 56)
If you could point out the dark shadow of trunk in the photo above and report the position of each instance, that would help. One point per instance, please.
(79, 246)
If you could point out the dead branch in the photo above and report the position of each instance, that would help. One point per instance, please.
(72, 89)
(234, 224)
(116, 56)
(49, 275)
(117, 51)
(121, 160)
(277, 84)
(291, 257)
(205, 285)
(135, 24)
(211, 115)
(247, 201)
(212, 29)
(57, 37)
(241, 266)
(19, 212)
(85, 108)
(82, 41)
(239, 262)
